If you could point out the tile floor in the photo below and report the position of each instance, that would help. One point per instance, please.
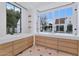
(43, 51)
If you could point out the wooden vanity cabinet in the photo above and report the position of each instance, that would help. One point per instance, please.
(67, 45)
(22, 44)
(61, 44)
(46, 41)
(15, 47)
(6, 49)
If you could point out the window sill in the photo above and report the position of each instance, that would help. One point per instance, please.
(9, 38)
(59, 35)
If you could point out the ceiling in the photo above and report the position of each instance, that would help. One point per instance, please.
(42, 5)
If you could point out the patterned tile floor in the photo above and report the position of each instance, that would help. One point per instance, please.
(42, 51)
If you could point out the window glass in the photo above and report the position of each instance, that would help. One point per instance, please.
(9, 6)
(68, 12)
(13, 19)
(46, 22)
(55, 21)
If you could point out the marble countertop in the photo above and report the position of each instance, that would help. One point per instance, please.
(9, 38)
(59, 35)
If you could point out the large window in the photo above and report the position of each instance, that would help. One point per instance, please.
(57, 20)
(13, 14)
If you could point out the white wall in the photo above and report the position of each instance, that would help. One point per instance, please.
(24, 21)
(78, 18)
(33, 20)
(2, 19)
(52, 5)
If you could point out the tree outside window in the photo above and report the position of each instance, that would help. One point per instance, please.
(13, 19)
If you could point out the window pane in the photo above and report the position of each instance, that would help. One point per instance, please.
(46, 22)
(9, 6)
(61, 13)
(68, 11)
(56, 14)
(13, 19)
(17, 9)
(56, 19)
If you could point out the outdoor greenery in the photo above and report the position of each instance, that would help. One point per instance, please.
(12, 20)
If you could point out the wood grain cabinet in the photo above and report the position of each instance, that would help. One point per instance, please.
(68, 45)
(15, 47)
(61, 44)
(78, 48)
(22, 44)
(6, 49)
(46, 41)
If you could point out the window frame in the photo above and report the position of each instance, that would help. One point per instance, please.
(50, 10)
(14, 10)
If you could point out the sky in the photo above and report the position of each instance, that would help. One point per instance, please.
(10, 6)
(59, 13)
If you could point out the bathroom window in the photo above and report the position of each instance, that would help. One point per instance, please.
(56, 20)
(46, 22)
(13, 14)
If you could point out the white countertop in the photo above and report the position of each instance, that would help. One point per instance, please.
(9, 38)
(59, 35)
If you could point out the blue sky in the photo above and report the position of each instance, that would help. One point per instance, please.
(10, 6)
(58, 14)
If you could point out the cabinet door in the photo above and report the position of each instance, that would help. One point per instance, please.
(22, 44)
(68, 45)
(68, 50)
(78, 48)
(47, 41)
(6, 49)
(46, 45)
(18, 46)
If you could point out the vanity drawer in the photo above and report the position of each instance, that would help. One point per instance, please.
(68, 50)
(6, 49)
(67, 44)
(48, 40)
(5, 45)
(6, 52)
(18, 41)
(54, 46)
(22, 48)
(21, 45)
(69, 40)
